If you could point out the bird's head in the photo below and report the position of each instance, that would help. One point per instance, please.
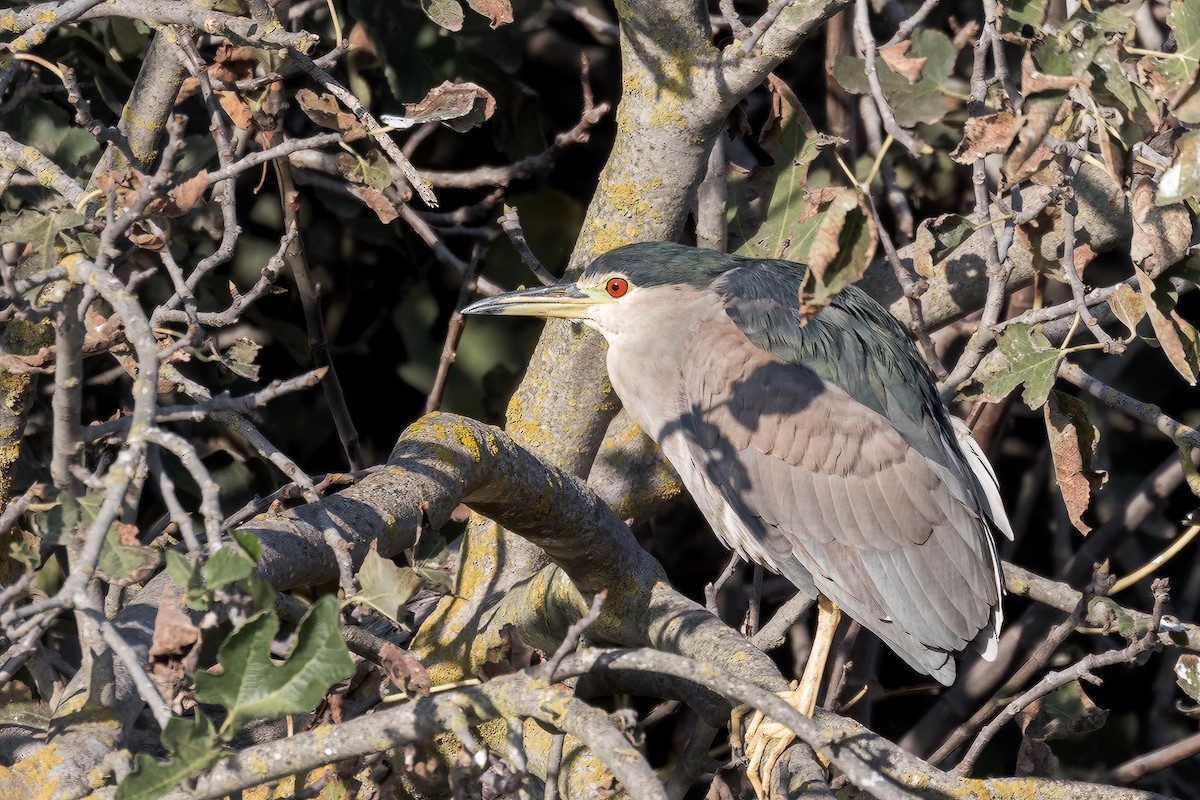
(615, 286)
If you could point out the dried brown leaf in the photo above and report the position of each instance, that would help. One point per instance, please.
(461, 106)
(1073, 441)
(378, 202)
(1161, 233)
(174, 632)
(510, 655)
(325, 110)
(498, 12)
(897, 58)
(1128, 306)
(993, 133)
(1176, 337)
(405, 671)
(184, 197)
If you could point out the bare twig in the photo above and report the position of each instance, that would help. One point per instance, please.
(862, 28)
(711, 589)
(1081, 670)
(47, 172)
(1150, 414)
(376, 130)
(453, 333)
(912, 22)
(761, 26)
(598, 28)
(1137, 768)
(1078, 291)
(772, 634)
(510, 221)
(315, 321)
(575, 634)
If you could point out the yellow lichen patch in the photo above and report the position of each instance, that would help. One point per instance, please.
(260, 792)
(8, 23)
(32, 777)
(259, 764)
(46, 17)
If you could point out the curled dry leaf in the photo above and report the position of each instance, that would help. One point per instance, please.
(325, 110)
(183, 197)
(1176, 336)
(1128, 306)
(510, 655)
(843, 245)
(993, 133)
(498, 12)
(937, 238)
(378, 202)
(1073, 441)
(461, 106)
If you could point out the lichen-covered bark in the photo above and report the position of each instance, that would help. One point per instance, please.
(16, 397)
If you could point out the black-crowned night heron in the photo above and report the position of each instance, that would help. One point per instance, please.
(818, 449)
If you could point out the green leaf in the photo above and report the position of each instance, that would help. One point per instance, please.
(937, 239)
(1032, 362)
(1111, 87)
(793, 144)
(1021, 19)
(187, 576)
(385, 586)
(41, 230)
(226, 566)
(240, 356)
(251, 686)
(1073, 441)
(193, 747)
(912, 102)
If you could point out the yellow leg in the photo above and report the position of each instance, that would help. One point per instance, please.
(765, 740)
(828, 617)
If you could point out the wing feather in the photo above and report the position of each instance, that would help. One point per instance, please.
(832, 490)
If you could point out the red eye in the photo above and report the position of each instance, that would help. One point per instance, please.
(616, 287)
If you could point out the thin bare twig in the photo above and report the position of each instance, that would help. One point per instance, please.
(1137, 768)
(575, 633)
(1070, 208)
(862, 28)
(711, 589)
(510, 222)
(1081, 670)
(912, 22)
(454, 332)
(761, 26)
(314, 320)
(1150, 414)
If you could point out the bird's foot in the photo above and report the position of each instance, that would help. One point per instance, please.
(763, 740)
